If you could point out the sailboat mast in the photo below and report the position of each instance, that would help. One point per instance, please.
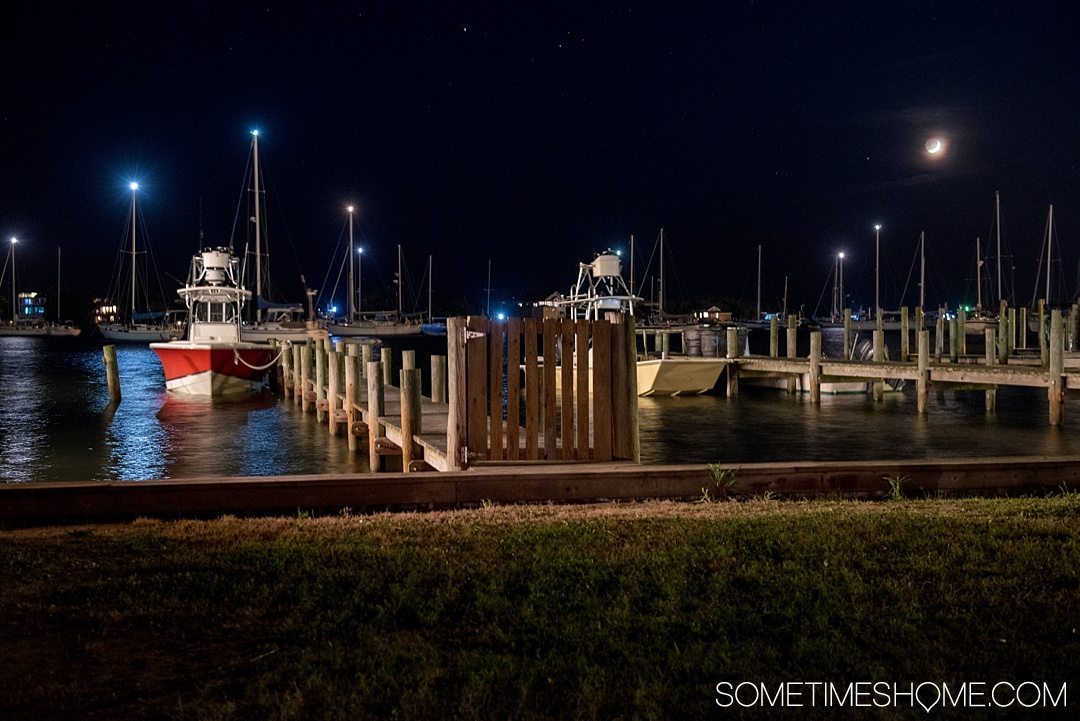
(134, 187)
(922, 269)
(978, 274)
(1049, 245)
(784, 311)
(661, 295)
(430, 279)
(758, 317)
(352, 282)
(14, 305)
(258, 229)
(58, 316)
(997, 224)
(631, 264)
(399, 284)
(487, 309)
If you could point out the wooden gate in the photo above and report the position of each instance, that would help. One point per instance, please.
(526, 389)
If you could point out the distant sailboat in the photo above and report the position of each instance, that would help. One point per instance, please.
(381, 323)
(280, 321)
(137, 327)
(20, 324)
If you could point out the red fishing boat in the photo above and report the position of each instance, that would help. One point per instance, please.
(213, 360)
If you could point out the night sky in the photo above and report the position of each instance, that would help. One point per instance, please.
(536, 135)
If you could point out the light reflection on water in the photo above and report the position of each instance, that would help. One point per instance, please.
(56, 423)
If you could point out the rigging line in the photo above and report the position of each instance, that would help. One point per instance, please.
(329, 268)
(823, 289)
(239, 204)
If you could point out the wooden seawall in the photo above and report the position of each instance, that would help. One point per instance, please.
(26, 504)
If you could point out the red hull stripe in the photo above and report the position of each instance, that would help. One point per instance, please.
(181, 362)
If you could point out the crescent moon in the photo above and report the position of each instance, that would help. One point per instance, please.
(933, 145)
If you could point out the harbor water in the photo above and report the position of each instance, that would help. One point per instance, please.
(56, 423)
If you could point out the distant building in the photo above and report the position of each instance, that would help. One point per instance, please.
(31, 307)
(713, 315)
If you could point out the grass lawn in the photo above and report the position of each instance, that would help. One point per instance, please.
(523, 612)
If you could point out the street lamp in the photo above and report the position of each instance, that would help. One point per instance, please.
(352, 282)
(877, 270)
(14, 306)
(842, 306)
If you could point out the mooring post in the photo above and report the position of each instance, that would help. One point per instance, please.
(1056, 389)
(847, 333)
(665, 345)
(774, 337)
(954, 341)
(961, 331)
(320, 380)
(920, 323)
(286, 371)
(991, 342)
(879, 357)
(387, 358)
(456, 428)
(411, 416)
(374, 412)
(334, 360)
(939, 337)
(733, 351)
(298, 388)
(1022, 330)
(792, 338)
(305, 376)
(438, 378)
(112, 372)
(815, 366)
(408, 359)
(905, 335)
(922, 381)
(352, 366)
(1043, 352)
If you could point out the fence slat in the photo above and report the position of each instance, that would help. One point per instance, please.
(582, 390)
(513, 387)
(566, 358)
(495, 389)
(551, 330)
(601, 395)
(620, 370)
(532, 392)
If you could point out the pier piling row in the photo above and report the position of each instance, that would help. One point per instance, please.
(514, 391)
(954, 370)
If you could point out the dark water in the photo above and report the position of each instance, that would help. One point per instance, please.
(56, 423)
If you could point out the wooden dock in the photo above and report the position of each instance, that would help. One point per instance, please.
(492, 397)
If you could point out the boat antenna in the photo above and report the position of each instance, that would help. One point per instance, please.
(487, 312)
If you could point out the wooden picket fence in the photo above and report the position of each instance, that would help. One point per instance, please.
(526, 389)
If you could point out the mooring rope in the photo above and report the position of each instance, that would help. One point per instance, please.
(285, 345)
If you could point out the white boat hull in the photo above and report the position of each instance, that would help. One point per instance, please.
(32, 331)
(137, 333)
(261, 334)
(376, 330)
(678, 376)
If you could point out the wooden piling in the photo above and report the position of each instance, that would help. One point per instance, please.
(990, 334)
(386, 356)
(438, 379)
(1056, 388)
(922, 381)
(332, 381)
(879, 357)
(367, 355)
(352, 396)
(939, 337)
(320, 381)
(847, 333)
(774, 337)
(411, 416)
(961, 331)
(456, 434)
(954, 341)
(905, 335)
(815, 366)
(112, 372)
(1022, 329)
(408, 359)
(792, 337)
(305, 376)
(375, 411)
(286, 371)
